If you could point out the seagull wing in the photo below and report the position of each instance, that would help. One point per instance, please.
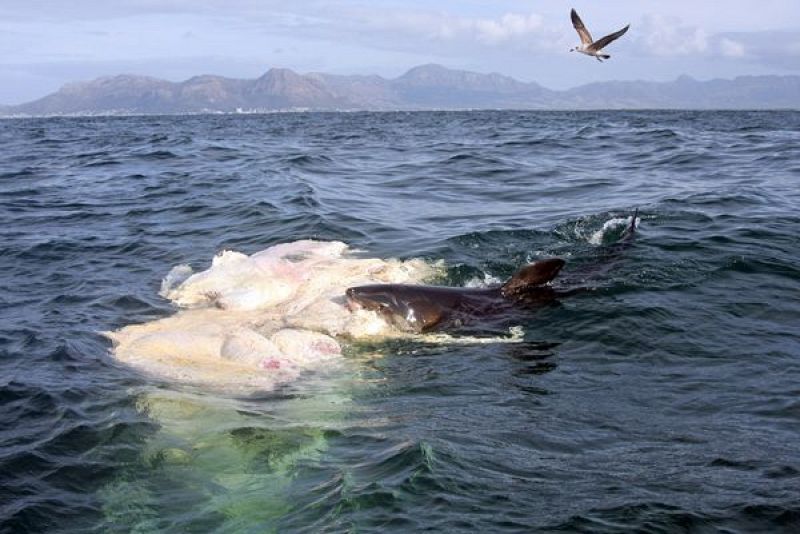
(586, 37)
(604, 41)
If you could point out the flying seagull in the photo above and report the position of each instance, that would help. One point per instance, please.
(588, 46)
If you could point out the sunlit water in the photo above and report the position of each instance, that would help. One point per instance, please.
(666, 399)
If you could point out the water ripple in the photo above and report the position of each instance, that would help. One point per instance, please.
(662, 399)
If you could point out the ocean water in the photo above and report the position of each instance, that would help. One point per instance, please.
(666, 400)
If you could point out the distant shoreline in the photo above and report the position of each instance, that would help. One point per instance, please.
(390, 111)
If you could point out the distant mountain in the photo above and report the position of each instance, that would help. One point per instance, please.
(745, 92)
(423, 87)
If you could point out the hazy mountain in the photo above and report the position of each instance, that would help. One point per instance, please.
(750, 92)
(360, 92)
(423, 87)
(434, 86)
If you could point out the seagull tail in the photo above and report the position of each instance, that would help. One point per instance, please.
(604, 56)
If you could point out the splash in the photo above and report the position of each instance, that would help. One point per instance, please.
(611, 228)
(260, 320)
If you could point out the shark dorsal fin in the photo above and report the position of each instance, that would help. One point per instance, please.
(532, 275)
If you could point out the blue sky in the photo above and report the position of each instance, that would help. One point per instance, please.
(47, 43)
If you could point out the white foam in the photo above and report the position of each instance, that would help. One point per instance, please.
(516, 334)
(176, 276)
(487, 281)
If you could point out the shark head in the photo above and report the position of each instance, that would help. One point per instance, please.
(408, 308)
(371, 297)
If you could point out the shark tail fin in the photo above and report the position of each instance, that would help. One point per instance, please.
(631, 229)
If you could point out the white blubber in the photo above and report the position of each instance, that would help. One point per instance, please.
(261, 320)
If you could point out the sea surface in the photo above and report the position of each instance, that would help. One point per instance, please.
(665, 400)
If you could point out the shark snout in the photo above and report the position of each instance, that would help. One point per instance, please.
(366, 297)
(352, 302)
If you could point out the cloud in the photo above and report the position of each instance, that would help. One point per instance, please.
(413, 25)
(731, 48)
(669, 36)
(773, 48)
(507, 27)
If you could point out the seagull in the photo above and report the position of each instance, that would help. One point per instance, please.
(589, 47)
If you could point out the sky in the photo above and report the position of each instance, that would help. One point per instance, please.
(47, 43)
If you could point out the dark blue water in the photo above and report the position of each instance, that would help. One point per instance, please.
(668, 400)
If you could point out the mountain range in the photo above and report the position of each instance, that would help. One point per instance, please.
(421, 88)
